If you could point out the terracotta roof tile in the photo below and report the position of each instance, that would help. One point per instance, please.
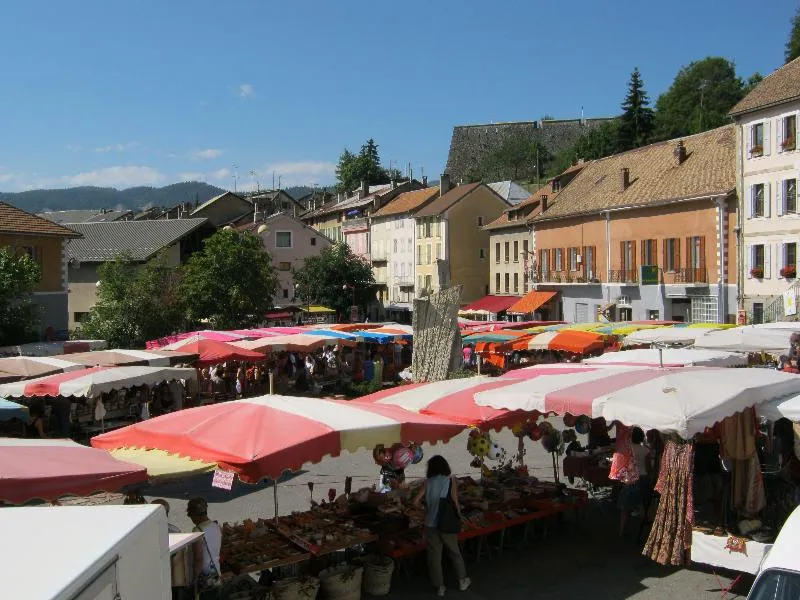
(16, 221)
(655, 176)
(408, 201)
(779, 86)
(531, 202)
(446, 201)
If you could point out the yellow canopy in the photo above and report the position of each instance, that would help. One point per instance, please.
(319, 309)
(162, 465)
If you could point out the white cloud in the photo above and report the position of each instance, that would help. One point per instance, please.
(303, 172)
(117, 147)
(191, 176)
(246, 90)
(205, 154)
(219, 174)
(122, 176)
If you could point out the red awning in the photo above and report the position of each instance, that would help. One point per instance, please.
(530, 302)
(278, 315)
(491, 304)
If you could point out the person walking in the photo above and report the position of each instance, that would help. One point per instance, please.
(440, 486)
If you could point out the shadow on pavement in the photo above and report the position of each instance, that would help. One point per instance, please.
(200, 485)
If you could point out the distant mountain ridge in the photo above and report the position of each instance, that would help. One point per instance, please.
(88, 198)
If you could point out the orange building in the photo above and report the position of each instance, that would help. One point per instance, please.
(645, 234)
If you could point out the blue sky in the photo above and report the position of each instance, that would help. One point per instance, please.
(124, 92)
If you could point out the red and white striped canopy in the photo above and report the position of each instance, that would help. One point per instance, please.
(297, 342)
(265, 436)
(49, 469)
(90, 383)
(685, 400)
(206, 334)
(125, 357)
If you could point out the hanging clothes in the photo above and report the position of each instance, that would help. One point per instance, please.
(624, 467)
(671, 534)
(739, 446)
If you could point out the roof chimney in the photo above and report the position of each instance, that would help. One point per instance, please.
(364, 191)
(544, 202)
(424, 181)
(624, 179)
(680, 153)
(444, 184)
(393, 184)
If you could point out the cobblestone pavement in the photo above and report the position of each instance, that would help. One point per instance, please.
(583, 558)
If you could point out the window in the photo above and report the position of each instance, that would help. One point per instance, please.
(283, 239)
(544, 263)
(395, 246)
(672, 255)
(508, 250)
(480, 221)
(428, 254)
(757, 140)
(694, 252)
(427, 229)
(758, 312)
(573, 259)
(787, 197)
(507, 279)
(481, 253)
(625, 314)
(559, 259)
(524, 249)
(313, 241)
(419, 254)
(757, 201)
(497, 282)
(497, 252)
(285, 293)
(429, 283)
(776, 584)
(516, 283)
(284, 266)
(588, 262)
(758, 261)
(516, 251)
(525, 281)
(410, 244)
(79, 316)
(790, 255)
(439, 251)
(628, 257)
(787, 130)
(649, 253)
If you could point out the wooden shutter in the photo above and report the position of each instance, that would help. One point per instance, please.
(751, 190)
(748, 258)
(664, 249)
(767, 145)
(594, 261)
(622, 256)
(677, 258)
(748, 141)
(767, 199)
(643, 244)
(655, 252)
(779, 136)
(767, 261)
(780, 204)
(633, 257)
(688, 264)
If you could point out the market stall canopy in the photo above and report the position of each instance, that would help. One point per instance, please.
(683, 400)
(394, 332)
(666, 335)
(274, 434)
(254, 334)
(90, 383)
(531, 302)
(564, 340)
(788, 407)
(212, 352)
(50, 469)
(123, 357)
(25, 367)
(670, 357)
(489, 305)
(11, 410)
(747, 339)
(316, 309)
(331, 333)
(167, 343)
(53, 348)
(297, 342)
(494, 337)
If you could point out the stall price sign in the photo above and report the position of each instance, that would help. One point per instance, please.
(223, 479)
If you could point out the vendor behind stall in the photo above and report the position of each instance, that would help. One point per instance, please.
(197, 511)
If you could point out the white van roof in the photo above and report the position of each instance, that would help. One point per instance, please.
(783, 554)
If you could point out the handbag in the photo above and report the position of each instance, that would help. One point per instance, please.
(447, 517)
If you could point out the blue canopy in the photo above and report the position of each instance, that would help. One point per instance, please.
(376, 338)
(342, 335)
(11, 410)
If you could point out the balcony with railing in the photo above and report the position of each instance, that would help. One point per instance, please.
(568, 277)
(686, 275)
(623, 276)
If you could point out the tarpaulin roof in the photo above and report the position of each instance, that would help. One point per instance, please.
(212, 351)
(265, 436)
(531, 301)
(490, 304)
(670, 357)
(564, 340)
(297, 342)
(22, 367)
(49, 469)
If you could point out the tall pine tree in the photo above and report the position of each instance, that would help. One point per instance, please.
(793, 43)
(636, 122)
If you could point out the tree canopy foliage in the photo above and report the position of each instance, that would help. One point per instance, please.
(230, 283)
(636, 123)
(329, 278)
(18, 314)
(352, 168)
(793, 43)
(135, 303)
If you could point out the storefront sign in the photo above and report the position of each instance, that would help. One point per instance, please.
(223, 479)
(648, 275)
(789, 303)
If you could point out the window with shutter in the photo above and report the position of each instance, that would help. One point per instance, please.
(767, 260)
(780, 197)
(507, 278)
(516, 251)
(790, 196)
(767, 199)
(497, 252)
(508, 250)
(497, 283)
(767, 139)
(516, 282)
(758, 200)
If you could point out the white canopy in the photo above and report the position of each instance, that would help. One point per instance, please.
(749, 338)
(670, 357)
(783, 407)
(666, 335)
(685, 400)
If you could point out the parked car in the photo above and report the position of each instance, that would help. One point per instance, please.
(778, 577)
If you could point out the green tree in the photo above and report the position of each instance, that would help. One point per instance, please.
(793, 43)
(352, 169)
(135, 302)
(230, 282)
(18, 314)
(330, 277)
(636, 122)
(699, 98)
(518, 157)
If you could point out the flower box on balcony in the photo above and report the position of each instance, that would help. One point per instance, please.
(789, 272)
(789, 144)
(757, 272)
(757, 151)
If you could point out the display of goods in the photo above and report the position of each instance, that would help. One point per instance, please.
(402, 458)
(320, 531)
(342, 582)
(253, 546)
(378, 575)
(296, 588)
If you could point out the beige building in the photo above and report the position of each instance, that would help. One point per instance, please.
(452, 245)
(767, 170)
(141, 240)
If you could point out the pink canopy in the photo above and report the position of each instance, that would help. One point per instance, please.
(49, 469)
(206, 334)
(212, 352)
(265, 436)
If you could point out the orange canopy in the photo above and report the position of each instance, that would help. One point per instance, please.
(565, 340)
(530, 302)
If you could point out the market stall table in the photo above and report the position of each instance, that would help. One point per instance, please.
(721, 552)
(587, 468)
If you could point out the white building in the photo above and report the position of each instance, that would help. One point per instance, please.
(768, 163)
(393, 237)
